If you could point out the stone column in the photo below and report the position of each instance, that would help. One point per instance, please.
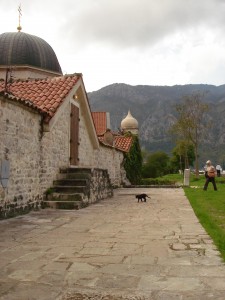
(186, 177)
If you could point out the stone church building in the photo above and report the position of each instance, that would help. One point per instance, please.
(53, 149)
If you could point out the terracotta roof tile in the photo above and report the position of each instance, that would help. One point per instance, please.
(44, 93)
(123, 142)
(24, 102)
(100, 121)
(120, 142)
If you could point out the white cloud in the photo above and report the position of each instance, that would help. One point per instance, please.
(163, 42)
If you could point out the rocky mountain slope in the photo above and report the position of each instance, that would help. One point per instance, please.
(153, 107)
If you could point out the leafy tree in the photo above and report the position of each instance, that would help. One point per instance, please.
(182, 156)
(191, 123)
(133, 161)
(156, 165)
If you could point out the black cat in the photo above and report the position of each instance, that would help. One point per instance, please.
(142, 196)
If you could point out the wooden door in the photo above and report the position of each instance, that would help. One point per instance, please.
(74, 134)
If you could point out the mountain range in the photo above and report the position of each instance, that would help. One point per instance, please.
(154, 109)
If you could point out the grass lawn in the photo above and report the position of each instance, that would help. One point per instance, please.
(209, 207)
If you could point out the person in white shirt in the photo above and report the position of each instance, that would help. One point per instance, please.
(218, 170)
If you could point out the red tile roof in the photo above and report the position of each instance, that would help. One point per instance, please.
(45, 94)
(100, 121)
(123, 143)
(120, 142)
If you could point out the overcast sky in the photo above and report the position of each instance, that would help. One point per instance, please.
(149, 42)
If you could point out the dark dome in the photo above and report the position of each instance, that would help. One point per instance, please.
(19, 48)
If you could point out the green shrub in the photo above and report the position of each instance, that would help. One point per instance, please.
(133, 161)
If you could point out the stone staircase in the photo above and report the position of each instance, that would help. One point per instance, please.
(71, 190)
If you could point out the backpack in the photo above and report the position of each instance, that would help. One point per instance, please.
(211, 172)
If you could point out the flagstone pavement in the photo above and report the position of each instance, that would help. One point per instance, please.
(116, 249)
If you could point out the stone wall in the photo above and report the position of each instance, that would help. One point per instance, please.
(100, 185)
(35, 157)
(111, 159)
(55, 149)
(106, 157)
(20, 146)
(86, 150)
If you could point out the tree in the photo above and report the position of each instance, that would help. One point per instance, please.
(156, 165)
(182, 156)
(133, 161)
(191, 123)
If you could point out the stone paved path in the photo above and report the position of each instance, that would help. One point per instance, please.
(117, 249)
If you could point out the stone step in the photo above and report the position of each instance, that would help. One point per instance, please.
(66, 189)
(71, 182)
(63, 204)
(70, 189)
(65, 197)
(76, 170)
(86, 176)
(76, 187)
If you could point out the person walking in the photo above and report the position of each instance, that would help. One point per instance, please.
(218, 170)
(210, 174)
